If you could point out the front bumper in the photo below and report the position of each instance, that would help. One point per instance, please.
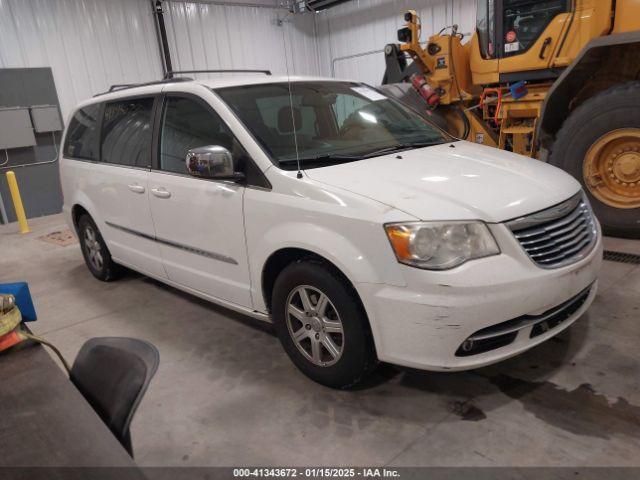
(424, 324)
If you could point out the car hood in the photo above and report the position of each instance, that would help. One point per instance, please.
(454, 181)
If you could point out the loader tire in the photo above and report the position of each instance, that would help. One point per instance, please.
(599, 145)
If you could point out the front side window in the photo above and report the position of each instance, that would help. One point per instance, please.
(525, 20)
(327, 122)
(126, 132)
(187, 124)
(82, 135)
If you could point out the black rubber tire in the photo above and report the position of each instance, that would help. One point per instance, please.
(615, 108)
(110, 270)
(358, 358)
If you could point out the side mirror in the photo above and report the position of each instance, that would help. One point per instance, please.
(212, 161)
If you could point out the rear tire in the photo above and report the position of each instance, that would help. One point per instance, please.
(332, 318)
(615, 109)
(95, 252)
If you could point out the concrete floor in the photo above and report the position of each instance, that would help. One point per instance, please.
(226, 394)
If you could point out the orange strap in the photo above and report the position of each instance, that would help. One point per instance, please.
(10, 339)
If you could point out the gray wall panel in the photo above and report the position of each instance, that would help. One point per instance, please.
(36, 167)
(16, 129)
(46, 119)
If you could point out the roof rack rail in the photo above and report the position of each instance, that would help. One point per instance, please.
(171, 73)
(119, 86)
(124, 86)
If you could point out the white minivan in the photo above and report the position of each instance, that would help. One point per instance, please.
(360, 229)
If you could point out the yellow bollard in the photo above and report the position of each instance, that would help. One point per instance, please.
(17, 202)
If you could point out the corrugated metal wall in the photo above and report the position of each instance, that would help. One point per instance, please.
(214, 36)
(92, 44)
(351, 36)
(89, 44)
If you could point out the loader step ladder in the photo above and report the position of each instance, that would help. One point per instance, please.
(521, 132)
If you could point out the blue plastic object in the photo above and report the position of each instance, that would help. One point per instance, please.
(518, 90)
(20, 290)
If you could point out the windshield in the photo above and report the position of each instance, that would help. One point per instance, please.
(331, 122)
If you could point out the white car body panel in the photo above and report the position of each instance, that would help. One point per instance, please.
(300, 213)
(418, 317)
(103, 191)
(205, 216)
(462, 181)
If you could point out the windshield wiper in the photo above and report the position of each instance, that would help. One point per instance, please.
(328, 157)
(333, 158)
(400, 147)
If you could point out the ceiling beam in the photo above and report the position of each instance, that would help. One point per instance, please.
(238, 3)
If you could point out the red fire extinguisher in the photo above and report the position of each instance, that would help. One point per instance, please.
(424, 89)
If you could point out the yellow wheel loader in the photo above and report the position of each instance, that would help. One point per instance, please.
(558, 80)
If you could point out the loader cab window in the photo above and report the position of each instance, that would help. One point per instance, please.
(524, 21)
(510, 27)
(485, 26)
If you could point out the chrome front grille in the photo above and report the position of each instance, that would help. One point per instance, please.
(559, 235)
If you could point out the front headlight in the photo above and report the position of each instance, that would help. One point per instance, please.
(440, 245)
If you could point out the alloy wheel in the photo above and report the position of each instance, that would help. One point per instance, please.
(315, 325)
(93, 248)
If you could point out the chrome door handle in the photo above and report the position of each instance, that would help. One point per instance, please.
(161, 192)
(136, 188)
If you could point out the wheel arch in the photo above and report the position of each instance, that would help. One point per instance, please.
(370, 261)
(77, 202)
(78, 211)
(602, 63)
(284, 257)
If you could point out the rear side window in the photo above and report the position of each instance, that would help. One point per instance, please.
(82, 134)
(126, 132)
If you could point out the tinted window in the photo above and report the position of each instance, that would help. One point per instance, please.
(82, 134)
(126, 132)
(187, 124)
(525, 20)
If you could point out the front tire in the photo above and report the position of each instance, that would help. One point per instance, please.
(322, 325)
(599, 145)
(95, 252)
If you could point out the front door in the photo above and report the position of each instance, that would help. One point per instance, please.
(198, 222)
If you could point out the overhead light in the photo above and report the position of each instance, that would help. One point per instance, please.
(301, 6)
